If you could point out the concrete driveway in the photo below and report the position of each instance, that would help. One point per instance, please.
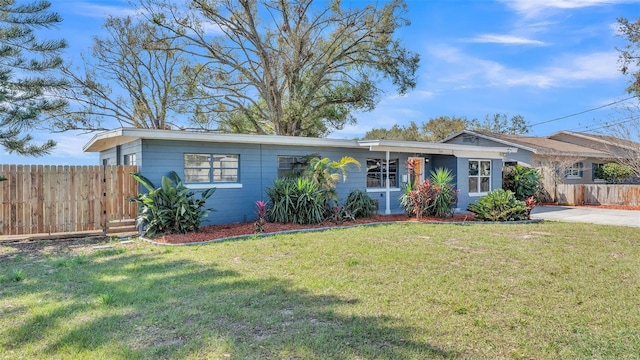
(587, 215)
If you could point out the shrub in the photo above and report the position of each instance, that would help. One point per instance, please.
(445, 194)
(171, 208)
(524, 182)
(500, 205)
(433, 197)
(614, 173)
(360, 205)
(299, 201)
(261, 207)
(326, 174)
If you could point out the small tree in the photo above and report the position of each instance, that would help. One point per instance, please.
(327, 173)
(524, 182)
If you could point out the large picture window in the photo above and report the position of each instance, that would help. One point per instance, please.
(211, 168)
(377, 173)
(479, 176)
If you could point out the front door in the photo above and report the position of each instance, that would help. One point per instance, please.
(416, 170)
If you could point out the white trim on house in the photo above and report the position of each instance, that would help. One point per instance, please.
(109, 139)
(112, 138)
(490, 138)
(205, 186)
(436, 148)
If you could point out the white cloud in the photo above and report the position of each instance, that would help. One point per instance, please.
(530, 8)
(505, 39)
(467, 71)
(594, 66)
(102, 11)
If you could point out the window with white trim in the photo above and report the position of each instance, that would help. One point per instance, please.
(211, 168)
(479, 176)
(377, 173)
(130, 159)
(574, 171)
(292, 166)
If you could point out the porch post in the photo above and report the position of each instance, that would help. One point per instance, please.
(387, 209)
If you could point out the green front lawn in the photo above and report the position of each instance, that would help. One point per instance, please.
(404, 291)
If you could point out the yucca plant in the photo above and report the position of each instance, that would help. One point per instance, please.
(360, 205)
(171, 208)
(299, 201)
(445, 194)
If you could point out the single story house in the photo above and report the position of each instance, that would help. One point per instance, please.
(242, 166)
(564, 157)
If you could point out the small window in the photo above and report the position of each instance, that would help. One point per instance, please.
(377, 173)
(479, 176)
(130, 159)
(292, 166)
(574, 171)
(211, 168)
(598, 175)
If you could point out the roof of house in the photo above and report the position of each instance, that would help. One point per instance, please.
(537, 145)
(110, 139)
(601, 141)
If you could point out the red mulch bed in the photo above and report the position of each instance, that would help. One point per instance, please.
(215, 232)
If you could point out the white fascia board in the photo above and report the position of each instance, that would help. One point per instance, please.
(433, 148)
(121, 136)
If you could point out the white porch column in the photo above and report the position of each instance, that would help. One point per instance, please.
(387, 209)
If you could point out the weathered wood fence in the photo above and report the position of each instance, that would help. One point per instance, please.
(598, 194)
(47, 199)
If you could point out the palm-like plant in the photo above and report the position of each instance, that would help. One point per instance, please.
(446, 196)
(326, 173)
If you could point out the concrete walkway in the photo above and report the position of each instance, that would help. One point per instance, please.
(587, 215)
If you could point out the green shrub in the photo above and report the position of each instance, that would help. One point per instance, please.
(445, 194)
(171, 208)
(524, 182)
(614, 173)
(360, 205)
(299, 201)
(433, 197)
(499, 205)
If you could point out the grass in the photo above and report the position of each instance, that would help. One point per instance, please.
(409, 291)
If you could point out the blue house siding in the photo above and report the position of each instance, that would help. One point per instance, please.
(464, 198)
(115, 155)
(258, 168)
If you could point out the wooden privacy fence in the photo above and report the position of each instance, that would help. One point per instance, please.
(599, 194)
(47, 199)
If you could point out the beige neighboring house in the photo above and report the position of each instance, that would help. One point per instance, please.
(563, 158)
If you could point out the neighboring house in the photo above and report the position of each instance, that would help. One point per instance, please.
(242, 166)
(565, 157)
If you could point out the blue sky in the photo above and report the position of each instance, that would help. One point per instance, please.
(542, 59)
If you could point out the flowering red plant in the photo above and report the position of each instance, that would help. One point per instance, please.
(262, 212)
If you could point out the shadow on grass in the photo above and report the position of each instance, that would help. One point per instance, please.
(151, 305)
